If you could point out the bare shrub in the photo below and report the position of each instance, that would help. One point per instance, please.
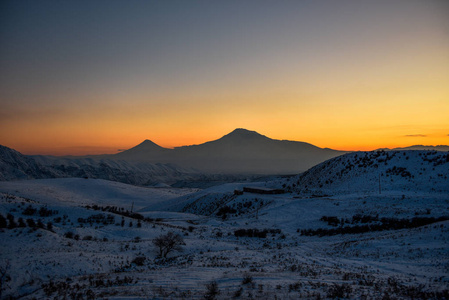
(167, 243)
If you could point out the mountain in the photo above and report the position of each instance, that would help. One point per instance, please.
(241, 151)
(14, 165)
(130, 172)
(423, 147)
(141, 151)
(377, 171)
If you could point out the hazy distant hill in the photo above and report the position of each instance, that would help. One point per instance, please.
(241, 151)
(423, 147)
(417, 171)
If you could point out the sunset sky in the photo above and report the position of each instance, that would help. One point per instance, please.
(90, 77)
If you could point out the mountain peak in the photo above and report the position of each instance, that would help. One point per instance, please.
(242, 133)
(141, 151)
(148, 144)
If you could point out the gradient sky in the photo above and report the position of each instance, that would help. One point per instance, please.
(89, 77)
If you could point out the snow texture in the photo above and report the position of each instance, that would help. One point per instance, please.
(242, 246)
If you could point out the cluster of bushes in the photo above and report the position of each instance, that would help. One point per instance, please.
(98, 219)
(437, 160)
(385, 224)
(76, 237)
(225, 210)
(139, 260)
(10, 223)
(66, 290)
(239, 208)
(399, 171)
(71, 235)
(256, 232)
(335, 221)
(117, 210)
(43, 211)
(340, 291)
(394, 287)
(98, 282)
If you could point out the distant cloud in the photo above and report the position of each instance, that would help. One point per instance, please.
(415, 135)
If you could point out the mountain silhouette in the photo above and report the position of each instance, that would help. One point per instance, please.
(241, 151)
(142, 152)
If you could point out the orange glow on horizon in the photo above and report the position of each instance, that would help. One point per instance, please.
(116, 145)
(352, 75)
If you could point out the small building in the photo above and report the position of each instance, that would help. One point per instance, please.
(262, 190)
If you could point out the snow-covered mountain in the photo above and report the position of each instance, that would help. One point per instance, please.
(14, 165)
(241, 151)
(131, 172)
(377, 171)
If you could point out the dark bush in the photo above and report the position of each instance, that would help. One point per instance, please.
(11, 223)
(247, 279)
(383, 224)
(29, 211)
(339, 291)
(3, 223)
(211, 291)
(255, 232)
(139, 260)
(31, 223)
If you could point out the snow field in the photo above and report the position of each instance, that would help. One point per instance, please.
(101, 261)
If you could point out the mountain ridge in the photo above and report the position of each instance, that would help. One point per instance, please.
(240, 151)
(14, 165)
(424, 147)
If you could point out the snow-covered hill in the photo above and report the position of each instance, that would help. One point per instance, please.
(14, 165)
(376, 172)
(137, 173)
(79, 192)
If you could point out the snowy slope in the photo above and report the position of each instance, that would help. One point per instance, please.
(97, 258)
(79, 191)
(371, 172)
